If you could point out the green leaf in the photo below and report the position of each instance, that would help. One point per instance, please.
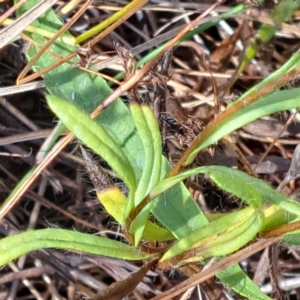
(265, 190)
(157, 146)
(149, 133)
(95, 137)
(146, 137)
(292, 238)
(14, 246)
(177, 211)
(156, 233)
(114, 202)
(247, 188)
(275, 102)
(138, 224)
(236, 279)
(291, 64)
(234, 183)
(230, 180)
(215, 232)
(231, 239)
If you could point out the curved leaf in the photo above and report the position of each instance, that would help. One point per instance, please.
(149, 133)
(275, 102)
(236, 279)
(234, 183)
(157, 146)
(148, 130)
(237, 183)
(95, 137)
(146, 137)
(14, 246)
(265, 190)
(212, 232)
(121, 289)
(138, 224)
(231, 239)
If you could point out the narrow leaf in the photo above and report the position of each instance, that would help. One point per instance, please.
(265, 190)
(275, 102)
(138, 224)
(95, 137)
(206, 233)
(17, 245)
(241, 190)
(146, 137)
(234, 183)
(157, 146)
(230, 240)
(236, 279)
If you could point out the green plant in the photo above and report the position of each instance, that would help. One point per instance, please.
(129, 141)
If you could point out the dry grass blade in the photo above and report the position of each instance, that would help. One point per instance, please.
(37, 171)
(289, 121)
(11, 90)
(282, 230)
(273, 263)
(217, 106)
(267, 89)
(121, 289)
(103, 34)
(11, 10)
(8, 33)
(69, 6)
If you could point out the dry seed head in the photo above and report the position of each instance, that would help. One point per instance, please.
(97, 175)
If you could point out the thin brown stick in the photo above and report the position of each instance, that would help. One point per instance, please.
(9, 32)
(11, 10)
(273, 259)
(289, 121)
(102, 34)
(216, 268)
(51, 41)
